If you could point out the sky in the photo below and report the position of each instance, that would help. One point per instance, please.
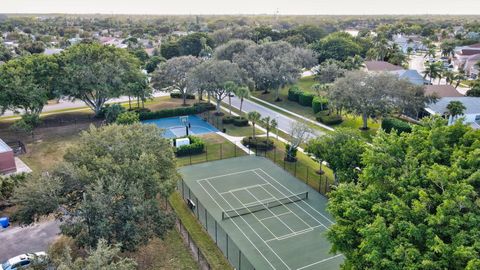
(310, 7)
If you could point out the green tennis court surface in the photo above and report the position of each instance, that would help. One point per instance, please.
(260, 216)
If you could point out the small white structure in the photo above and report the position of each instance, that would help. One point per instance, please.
(181, 142)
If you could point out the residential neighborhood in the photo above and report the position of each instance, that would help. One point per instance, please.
(212, 135)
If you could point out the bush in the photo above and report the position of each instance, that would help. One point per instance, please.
(290, 154)
(260, 143)
(240, 121)
(127, 118)
(111, 112)
(228, 119)
(305, 99)
(293, 93)
(196, 146)
(319, 104)
(139, 110)
(200, 108)
(179, 95)
(328, 118)
(389, 123)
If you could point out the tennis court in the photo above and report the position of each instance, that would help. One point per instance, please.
(174, 127)
(260, 216)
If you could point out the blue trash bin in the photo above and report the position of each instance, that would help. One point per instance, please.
(4, 222)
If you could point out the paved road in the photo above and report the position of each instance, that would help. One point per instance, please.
(284, 122)
(19, 240)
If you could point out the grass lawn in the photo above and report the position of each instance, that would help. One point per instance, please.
(212, 253)
(216, 147)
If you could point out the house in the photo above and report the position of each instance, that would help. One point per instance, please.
(471, 114)
(442, 91)
(463, 53)
(471, 66)
(52, 51)
(7, 159)
(409, 74)
(113, 41)
(405, 42)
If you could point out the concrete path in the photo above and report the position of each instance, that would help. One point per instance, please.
(19, 240)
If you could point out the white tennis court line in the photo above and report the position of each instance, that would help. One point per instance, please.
(266, 227)
(238, 227)
(301, 208)
(290, 235)
(331, 222)
(278, 215)
(223, 175)
(248, 224)
(264, 200)
(321, 261)
(243, 188)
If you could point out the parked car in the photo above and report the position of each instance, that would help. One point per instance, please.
(21, 261)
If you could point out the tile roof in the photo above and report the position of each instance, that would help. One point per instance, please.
(381, 66)
(472, 104)
(442, 91)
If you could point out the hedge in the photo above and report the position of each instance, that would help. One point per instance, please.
(195, 109)
(389, 123)
(293, 93)
(240, 121)
(179, 95)
(319, 104)
(228, 119)
(196, 146)
(328, 118)
(260, 143)
(305, 99)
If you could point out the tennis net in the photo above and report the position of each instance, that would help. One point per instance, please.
(263, 206)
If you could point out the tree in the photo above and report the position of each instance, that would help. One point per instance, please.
(230, 88)
(415, 203)
(475, 90)
(27, 83)
(128, 118)
(273, 65)
(354, 63)
(173, 75)
(153, 63)
(371, 95)
(242, 93)
(338, 46)
(455, 108)
(170, 49)
(104, 257)
(107, 187)
(269, 124)
(342, 150)
(299, 133)
(95, 73)
(5, 53)
(212, 75)
(329, 71)
(192, 44)
(230, 49)
(253, 117)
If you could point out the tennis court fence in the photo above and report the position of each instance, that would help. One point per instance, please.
(223, 241)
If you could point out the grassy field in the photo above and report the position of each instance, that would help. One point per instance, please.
(212, 253)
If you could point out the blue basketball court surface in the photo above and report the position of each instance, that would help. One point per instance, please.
(174, 127)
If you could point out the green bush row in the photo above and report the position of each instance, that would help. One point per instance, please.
(196, 146)
(293, 93)
(329, 118)
(307, 99)
(195, 109)
(319, 104)
(179, 95)
(238, 121)
(260, 143)
(389, 124)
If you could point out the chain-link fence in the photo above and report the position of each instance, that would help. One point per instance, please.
(211, 153)
(221, 238)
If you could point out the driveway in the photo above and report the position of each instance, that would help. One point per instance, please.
(19, 240)
(284, 122)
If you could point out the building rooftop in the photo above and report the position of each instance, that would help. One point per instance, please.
(442, 91)
(4, 147)
(381, 66)
(472, 105)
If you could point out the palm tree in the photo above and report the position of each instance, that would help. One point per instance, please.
(242, 93)
(459, 77)
(449, 76)
(455, 108)
(254, 117)
(230, 87)
(354, 63)
(269, 124)
(432, 70)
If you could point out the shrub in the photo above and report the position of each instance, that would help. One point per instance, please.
(228, 119)
(260, 143)
(319, 104)
(139, 110)
(196, 146)
(111, 112)
(328, 118)
(240, 121)
(293, 93)
(27, 123)
(290, 153)
(179, 95)
(177, 111)
(127, 118)
(305, 99)
(389, 123)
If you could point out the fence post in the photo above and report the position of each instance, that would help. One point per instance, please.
(284, 163)
(190, 157)
(274, 155)
(216, 237)
(227, 243)
(239, 259)
(221, 151)
(206, 153)
(295, 172)
(206, 220)
(198, 206)
(235, 149)
(307, 174)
